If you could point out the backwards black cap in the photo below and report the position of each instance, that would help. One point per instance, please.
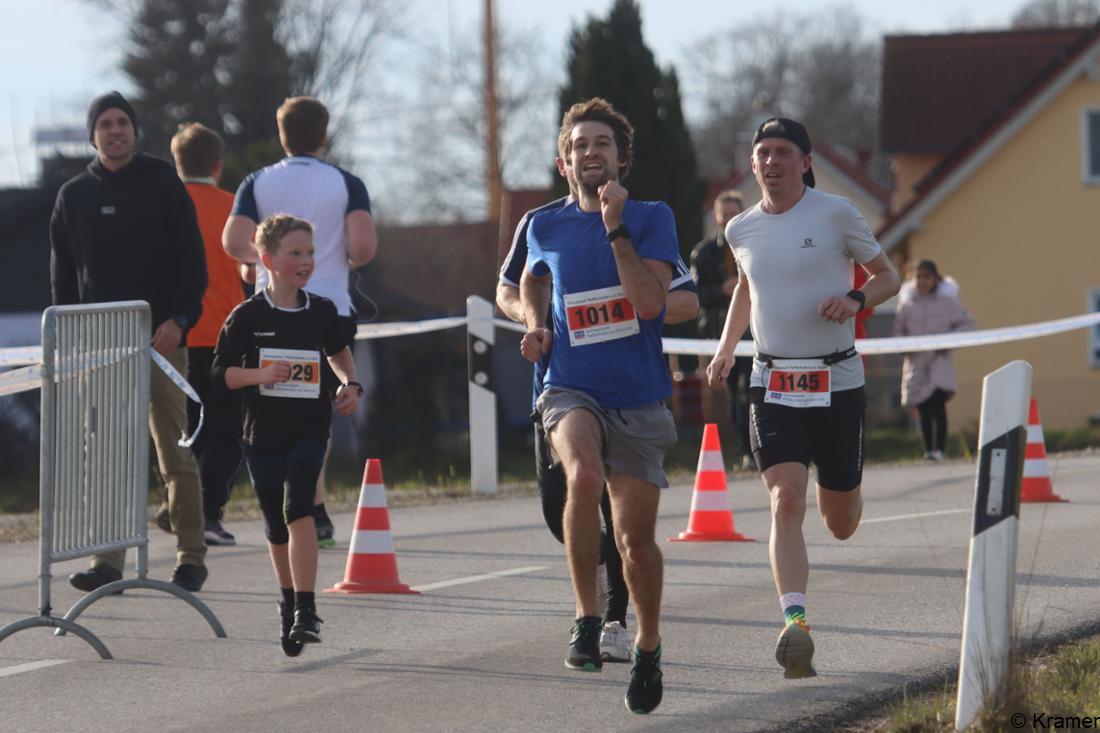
(105, 102)
(787, 129)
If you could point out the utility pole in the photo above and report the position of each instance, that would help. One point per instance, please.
(493, 185)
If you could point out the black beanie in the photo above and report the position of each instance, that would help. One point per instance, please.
(105, 102)
(787, 129)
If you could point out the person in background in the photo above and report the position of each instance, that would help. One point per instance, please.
(125, 229)
(198, 154)
(929, 304)
(715, 274)
(336, 202)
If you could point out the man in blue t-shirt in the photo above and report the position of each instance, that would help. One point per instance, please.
(682, 304)
(605, 263)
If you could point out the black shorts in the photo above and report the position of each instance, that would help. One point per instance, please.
(832, 437)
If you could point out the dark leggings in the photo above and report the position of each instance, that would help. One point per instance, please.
(285, 481)
(551, 481)
(933, 421)
(218, 447)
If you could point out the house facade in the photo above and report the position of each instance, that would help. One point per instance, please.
(1002, 191)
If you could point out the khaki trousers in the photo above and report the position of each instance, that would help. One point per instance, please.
(167, 422)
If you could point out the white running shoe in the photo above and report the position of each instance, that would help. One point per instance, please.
(615, 643)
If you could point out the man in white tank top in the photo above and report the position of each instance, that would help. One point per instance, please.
(794, 254)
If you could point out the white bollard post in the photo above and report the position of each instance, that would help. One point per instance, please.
(991, 577)
(483, 399)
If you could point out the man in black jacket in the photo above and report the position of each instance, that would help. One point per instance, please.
(125, 229)
(715, 276)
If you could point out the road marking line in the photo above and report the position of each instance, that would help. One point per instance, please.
(31, 666)
(918, 515)
(475, 578)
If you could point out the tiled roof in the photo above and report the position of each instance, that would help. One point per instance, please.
(937, 89)
(852, 170)
(1071, 53)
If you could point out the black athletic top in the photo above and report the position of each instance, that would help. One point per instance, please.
(129, 234)
(277, 416)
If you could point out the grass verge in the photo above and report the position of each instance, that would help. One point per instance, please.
(1053, 687)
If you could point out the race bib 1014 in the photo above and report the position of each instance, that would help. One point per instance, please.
(599, 315)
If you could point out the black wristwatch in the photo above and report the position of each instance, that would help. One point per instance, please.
(357, 386)
(618, 232)
(858, 296)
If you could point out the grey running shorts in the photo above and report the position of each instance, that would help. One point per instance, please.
(635, 439)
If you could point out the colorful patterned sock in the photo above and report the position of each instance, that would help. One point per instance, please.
(794, 607)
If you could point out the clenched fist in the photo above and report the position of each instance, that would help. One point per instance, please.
(536, 344)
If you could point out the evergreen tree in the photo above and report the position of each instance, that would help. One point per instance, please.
(259, 79)
(176, 59)
(609, 59)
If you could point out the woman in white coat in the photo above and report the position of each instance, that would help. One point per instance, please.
(929, 304)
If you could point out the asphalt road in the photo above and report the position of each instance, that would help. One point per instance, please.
(473, 654)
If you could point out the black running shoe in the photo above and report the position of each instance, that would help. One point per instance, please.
(325, 530)
(644, 694)
(291, 648)
(216, 534)
(584, 647)
(307, 627)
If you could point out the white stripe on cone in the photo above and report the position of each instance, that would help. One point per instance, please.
(710, 501)
(1034, 434)
(372, 542)
(372, 496)
(711, 460)
(1036, 468)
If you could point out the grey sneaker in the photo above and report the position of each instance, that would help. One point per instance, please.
(615, 643)
(795, 651)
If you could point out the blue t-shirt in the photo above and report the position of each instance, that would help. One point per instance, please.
(572, 246)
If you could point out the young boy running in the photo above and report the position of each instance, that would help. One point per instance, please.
(271, 348)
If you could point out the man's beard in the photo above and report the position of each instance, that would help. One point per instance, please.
(593, 188)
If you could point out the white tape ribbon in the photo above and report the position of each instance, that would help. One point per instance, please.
(179, 381)
(21, 380)
(20, 356)
(906, 344)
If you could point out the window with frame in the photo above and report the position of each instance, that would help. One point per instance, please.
(1092, 146)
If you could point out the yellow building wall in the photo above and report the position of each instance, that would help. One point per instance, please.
(1022, 237)
(908, 170)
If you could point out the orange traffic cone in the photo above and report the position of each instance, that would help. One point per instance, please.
(711, 518)
(1036, 486)
(372, 565)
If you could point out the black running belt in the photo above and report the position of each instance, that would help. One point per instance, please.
(834, 358)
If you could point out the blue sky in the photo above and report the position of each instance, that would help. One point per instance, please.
(57, 54)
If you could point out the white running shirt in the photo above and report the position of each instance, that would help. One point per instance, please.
(794, 261)
(321, 193)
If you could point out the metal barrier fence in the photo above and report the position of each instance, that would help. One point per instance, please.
(94, 453)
